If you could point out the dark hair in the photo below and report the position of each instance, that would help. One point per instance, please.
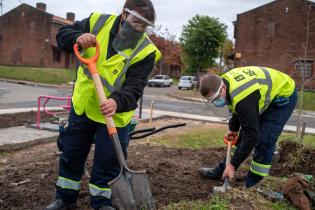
(210, 83)
(144, 7)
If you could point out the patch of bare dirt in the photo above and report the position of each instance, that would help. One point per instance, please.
(294, 157)
(27, 177)
(20, 119)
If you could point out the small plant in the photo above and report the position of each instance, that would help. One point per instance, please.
(216, 202)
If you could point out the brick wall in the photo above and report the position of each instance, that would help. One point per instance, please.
(273, 35)
(27, 38)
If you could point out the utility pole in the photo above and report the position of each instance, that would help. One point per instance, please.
(299, 123)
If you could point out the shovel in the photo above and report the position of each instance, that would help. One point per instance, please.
(226, 186)
(131, 189)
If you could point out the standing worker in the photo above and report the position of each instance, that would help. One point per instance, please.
(261, 101)
(127, 57)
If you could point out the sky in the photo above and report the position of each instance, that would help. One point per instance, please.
(171, 14)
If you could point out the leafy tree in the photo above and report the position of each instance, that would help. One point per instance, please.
(201, 40)
(227, 49)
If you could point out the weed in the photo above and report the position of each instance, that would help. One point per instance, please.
(216, 202)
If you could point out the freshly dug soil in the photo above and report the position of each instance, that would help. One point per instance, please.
(173, 175)
(294, 157)
(20, 119)
(27, 177)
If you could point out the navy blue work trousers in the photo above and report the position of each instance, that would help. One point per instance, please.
(272, 122)
(75, 142)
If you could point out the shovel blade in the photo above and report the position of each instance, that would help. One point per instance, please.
(131, 191)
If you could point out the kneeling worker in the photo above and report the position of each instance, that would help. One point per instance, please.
(261, 101)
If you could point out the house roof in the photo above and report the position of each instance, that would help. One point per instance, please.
(312, 2)
(61, 20)
(55, 19)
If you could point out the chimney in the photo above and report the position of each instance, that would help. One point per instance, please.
(70, 16)
(41, 6)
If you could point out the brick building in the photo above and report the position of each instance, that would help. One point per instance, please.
(27, 38)
(274, 35)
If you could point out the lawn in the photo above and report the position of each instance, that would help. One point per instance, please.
(211, 135)
(39, 75)
(202, 136)
(308, 100)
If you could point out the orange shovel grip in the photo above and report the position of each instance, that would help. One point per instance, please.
(233, 142)
(89, 62)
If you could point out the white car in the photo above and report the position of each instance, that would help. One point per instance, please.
(161, 81)
(187, 82)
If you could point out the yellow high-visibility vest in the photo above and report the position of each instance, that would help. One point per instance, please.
(112, 71)
(270, 83)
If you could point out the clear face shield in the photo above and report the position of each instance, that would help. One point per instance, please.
(212, 98)
(131, 31)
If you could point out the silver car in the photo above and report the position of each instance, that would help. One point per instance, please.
(187, 82)
(161, 81)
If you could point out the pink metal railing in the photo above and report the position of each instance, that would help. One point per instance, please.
(66, 107)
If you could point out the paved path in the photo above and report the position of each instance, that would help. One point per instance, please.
(166, 105)
(22, 136)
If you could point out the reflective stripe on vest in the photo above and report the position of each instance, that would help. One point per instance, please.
(68, 183)
(266, 81)
(97, 191)
(260, 169)
(118, 82)
(99, 24)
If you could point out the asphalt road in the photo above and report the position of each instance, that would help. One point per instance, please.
(25, 96)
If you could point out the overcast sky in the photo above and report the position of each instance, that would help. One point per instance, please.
(171, 14)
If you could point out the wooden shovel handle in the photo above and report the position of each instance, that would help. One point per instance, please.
(228, 153)
(91, 65)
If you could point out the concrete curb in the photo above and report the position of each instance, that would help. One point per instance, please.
(23, 82)
(23, 145)
(22, 110)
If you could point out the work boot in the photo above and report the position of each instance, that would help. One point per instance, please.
(60, 204)
(211, 173)
(106, 208)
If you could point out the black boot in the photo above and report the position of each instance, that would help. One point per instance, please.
(60, 204)
(211, 173)
(106, 208)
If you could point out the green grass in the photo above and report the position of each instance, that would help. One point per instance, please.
(196, 138)
(308, 100)
(207, 136)
(236, 198)
(214, 203)
(2, 153)
(308, 140)
(280, 206)
(39, 75)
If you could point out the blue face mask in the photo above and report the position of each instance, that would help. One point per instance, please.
(220, 102)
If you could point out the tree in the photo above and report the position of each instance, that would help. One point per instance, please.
(201, 40)
(228, 49)
(169, 47)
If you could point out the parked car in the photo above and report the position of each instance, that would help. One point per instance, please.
(188, 82)
(161, 81)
